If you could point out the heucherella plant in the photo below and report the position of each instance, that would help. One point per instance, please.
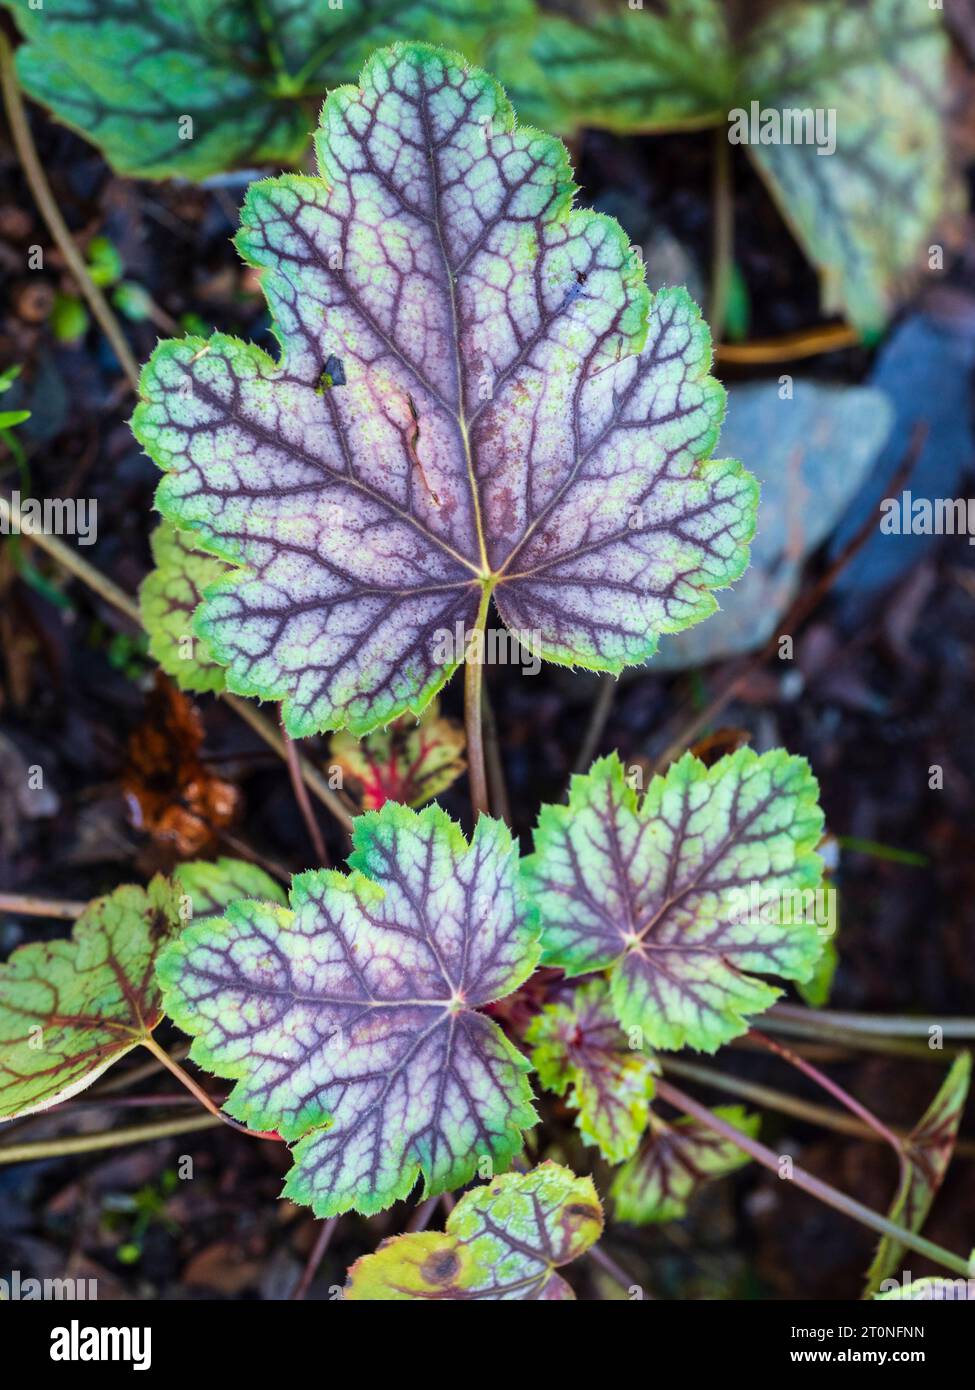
(477, 400)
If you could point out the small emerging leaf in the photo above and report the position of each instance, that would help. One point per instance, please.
(929, 1147)
(70, 1008)
(684, 894)
(477, 398)
(212, 887)
(168, 598)
(411, 762)
(504, 1241)
(674, 1161)
(351, 1022)
(578, 1043)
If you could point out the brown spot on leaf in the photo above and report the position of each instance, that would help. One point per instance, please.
(440, 1267)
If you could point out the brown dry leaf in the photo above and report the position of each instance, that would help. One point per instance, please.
(171, 793)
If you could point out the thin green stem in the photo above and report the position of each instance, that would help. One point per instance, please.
(109, 1139)
(814, 1186)
(767, 1096)
(322, 1242)
(304, 804)
(825, 1022)
(473, 716)
(598, 715)
(39, 186)
(497, 788)
(834, 1089)
(786, 1104)
(25, 904)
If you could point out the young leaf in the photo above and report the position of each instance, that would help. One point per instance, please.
(684, 894)
(476, 398)
(350, 1023)
(168, 597)
(929, 1148)
(505, 1240)
(860, 202)
(577, 1043)
(70, 1008)
(213, 886)
(674, 1161)
(195, 87)
(412, 761)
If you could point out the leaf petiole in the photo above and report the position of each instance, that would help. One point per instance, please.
(200, 1094)
(814, 1186)
(837, 1092)
(473, 714)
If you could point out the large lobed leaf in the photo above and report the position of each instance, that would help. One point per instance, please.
(70, 1008)
(249, 73)
(659, 890)
(476, 396)
(350, 1022)
(861, 212)
(580, 1051)
(503, 1242)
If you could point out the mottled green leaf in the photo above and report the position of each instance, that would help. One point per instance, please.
(212, 886)
(674, 1161)
(194, 87)
(503, 1241)
(70, 1008)
(351, 1022)
(168, 597)
(411, 761)
(928, 1152)
(578, 1047)
(861, 211)
(477, 399)
(684, 893)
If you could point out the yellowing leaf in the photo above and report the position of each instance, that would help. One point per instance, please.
(503, 1242)
(70, 1008)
